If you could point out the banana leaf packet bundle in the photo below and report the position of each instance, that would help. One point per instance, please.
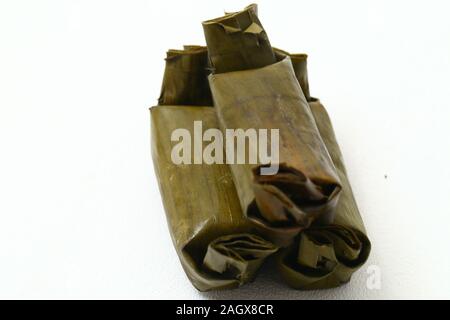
(321, 256)
(218, 248)
(246, 45)
(259, 92)
(324, 257)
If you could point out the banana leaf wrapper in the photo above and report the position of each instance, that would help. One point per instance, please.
(237, 41)
(322, 257)
(218, 248)
(299, 64)
(257, 92)
(185, 79)
(326, 256)
(306, 188)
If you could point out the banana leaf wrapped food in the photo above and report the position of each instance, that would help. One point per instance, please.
(299, 65)
(264, 94)
(185, 78)
(218, 248)
(321, 257)
(237, 41)
(327, 256)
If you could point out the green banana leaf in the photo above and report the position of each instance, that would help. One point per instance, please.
(185, 78)
(300, 68)
(345, 242)
(237, 41)
(305, 190)
(327, 256)
(257, 92)
(218, 248)
(222, 250)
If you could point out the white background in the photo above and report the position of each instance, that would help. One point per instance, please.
(80, 211)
